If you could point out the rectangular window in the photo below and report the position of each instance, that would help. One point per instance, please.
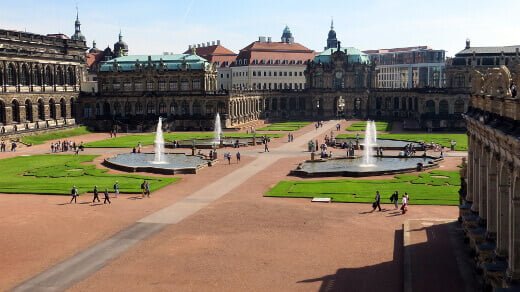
(290, 73)
(270, 73)
(162, 85)
(301, 73)
(127, 86)
(275, 73)
(117, 86)
(265, 73)
(149, 86)
(174, 85)
(196, 84)
(254, 73)
(185, 85)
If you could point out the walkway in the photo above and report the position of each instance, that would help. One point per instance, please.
(80, 266)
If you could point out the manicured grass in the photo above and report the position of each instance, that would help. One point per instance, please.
(130, 141)
(56, 174)
(60, 134)
(284, 126)
(380, 126)
(433, 188)
(441, 139)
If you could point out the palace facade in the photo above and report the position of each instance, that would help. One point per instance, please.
(490, 211)
(39, 80)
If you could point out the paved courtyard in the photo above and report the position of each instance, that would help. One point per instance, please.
(215, 231)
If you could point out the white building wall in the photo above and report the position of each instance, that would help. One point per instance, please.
(409, 76)
(265, 77)
(224, 78)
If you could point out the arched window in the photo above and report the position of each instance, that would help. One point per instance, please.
(173, 106)
(28, 110)
(410, 104)
(459, 106)
(185, 108)
(429, 107)
(162, 108)
(128, 108)
(59, 76)
(1, 76)
(48, 76)
(301, 103)
(378, 102)
(37, 75)
(117, 108)
(106, 109)
(11, 75)
(98, 109)
(197, 109)
(396, 103)
(63, 108)
(283, 103)
(444, 107)
(150, 108)
(24, 76)
(41, 110)
(210, 108)
(138, 108)
(221, 107)
(52, 108)
(274, 104)
(87, 111)
(71, 77)
(2, 112)
(292, 103)
(15, 110)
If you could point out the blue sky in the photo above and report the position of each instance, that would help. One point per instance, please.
(154, 26)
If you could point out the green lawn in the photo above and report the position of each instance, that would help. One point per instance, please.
(42, 138)
(284, 126)
(433, 188)
(130, 141)
(380, 126)
(56, 174)
(442, 139)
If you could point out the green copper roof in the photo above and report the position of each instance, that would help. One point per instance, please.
(353, 55)
(171, 62)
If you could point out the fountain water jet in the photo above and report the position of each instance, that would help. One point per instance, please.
(159, 157)
(217, 130)
(369, 144)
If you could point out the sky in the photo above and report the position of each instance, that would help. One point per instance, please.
(155, 26)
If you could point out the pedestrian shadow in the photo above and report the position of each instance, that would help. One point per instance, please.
(395, 213)
(135, 198)
(96, 204)
(63, 204)
(83, 203)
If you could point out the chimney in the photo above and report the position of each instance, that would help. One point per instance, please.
(268, 39)
(517, 51)
(189, 47)
(208, 44)
(218, 42)
(261, 39)
(212, 43)
(467, 44)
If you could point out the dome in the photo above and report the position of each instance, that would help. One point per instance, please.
(94, 49)
(287, 36)
(332, 34)
(120, 44)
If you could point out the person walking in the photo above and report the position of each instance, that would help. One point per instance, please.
(147, 189)
(143, 185)
(377, 202)
(266, 145)
(404, 203)
(74, 194)
(238, 157)
(96, 195)
(107, 197)
(116, 189)
(396, 200)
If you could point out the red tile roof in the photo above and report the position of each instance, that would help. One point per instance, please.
(278, 52)
(215, 54)
(94, 58)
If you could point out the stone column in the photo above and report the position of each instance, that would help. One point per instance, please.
(492, 198)
(8, 115)
(475, 207)
(34, 110)
(483, 185)
(513, 270)
(469, 174)
(21, 110)
(68, 110)
(57, 109)
(503, 213)
(47, 111)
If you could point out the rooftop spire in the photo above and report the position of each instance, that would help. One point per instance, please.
(331, 23)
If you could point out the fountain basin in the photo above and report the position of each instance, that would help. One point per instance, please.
(386, 144)
(351, 166)
(210, 143)
(144, 162)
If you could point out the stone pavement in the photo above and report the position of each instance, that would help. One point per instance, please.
(83, 264)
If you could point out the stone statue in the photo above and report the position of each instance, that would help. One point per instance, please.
(477, 82)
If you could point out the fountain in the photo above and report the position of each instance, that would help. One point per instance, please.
(368, 164)
(159, 157)
(369, 144)
(217, 130)
(157, 162)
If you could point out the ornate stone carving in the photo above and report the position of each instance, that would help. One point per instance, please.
(496, 82)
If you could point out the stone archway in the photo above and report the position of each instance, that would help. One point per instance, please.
(504, 198)
(28, 111)
(15, 106)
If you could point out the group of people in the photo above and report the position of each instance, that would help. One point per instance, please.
(113, 134)
(228, 155)
(290, 137)
(394, 198)
(318, 124)
(145, 191)
(3, 146)
(64, 146)
(138, 148)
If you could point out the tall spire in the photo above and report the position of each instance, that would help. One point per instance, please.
(120, 36)
(77, 28)
(331, 23)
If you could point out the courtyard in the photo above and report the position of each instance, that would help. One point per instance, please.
(217, 230)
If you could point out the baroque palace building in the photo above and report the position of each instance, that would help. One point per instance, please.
(491, 199)
(39, 79)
